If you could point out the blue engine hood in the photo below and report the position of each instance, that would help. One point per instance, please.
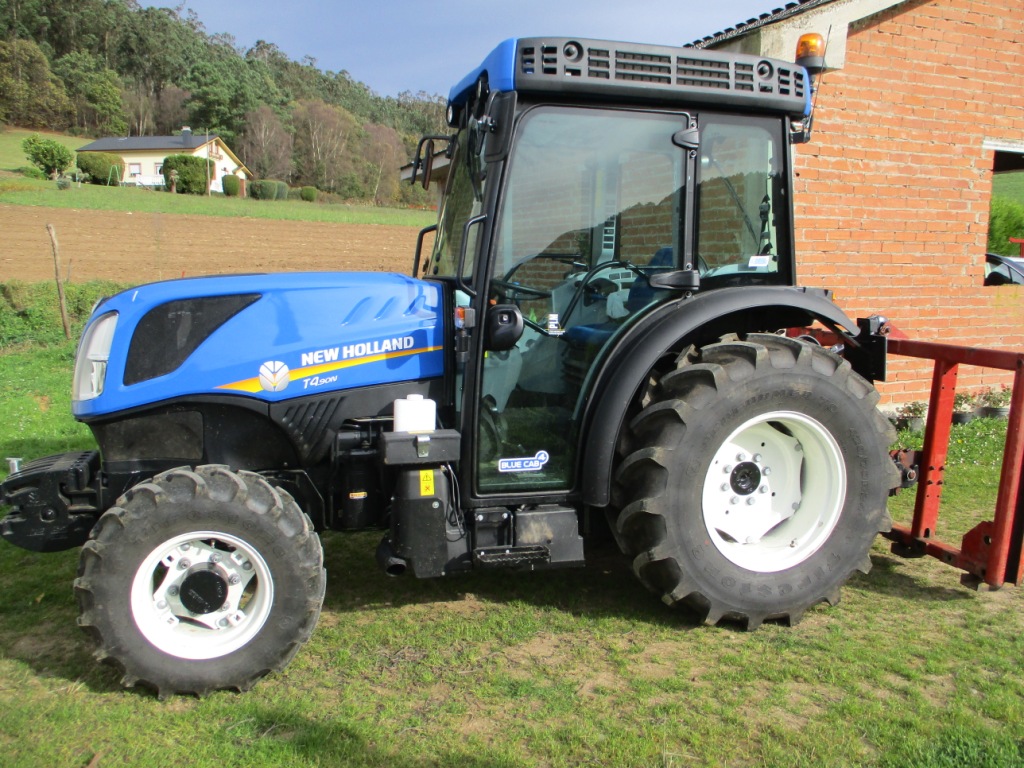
(290, 335)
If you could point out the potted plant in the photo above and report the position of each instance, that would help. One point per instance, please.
(911, 416)
(995, 403)
(963, 407)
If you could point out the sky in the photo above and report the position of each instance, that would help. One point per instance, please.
(418, 45)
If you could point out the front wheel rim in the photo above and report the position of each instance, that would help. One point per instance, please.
(774, 491)
(202, 595)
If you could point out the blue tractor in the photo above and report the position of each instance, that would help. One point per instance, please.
(595, 345)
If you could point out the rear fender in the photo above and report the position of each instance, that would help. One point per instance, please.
(663, 334)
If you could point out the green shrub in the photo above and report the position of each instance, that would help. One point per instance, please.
(282, 190)
(308, 194)
(231, 185)
(103, 167)
(263, 189)
(49, 156)
(1006, 220)
(193, 173)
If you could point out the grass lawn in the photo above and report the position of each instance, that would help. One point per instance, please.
(565, 668)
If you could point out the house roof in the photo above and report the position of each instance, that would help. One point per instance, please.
(184, 141)
(745, 27)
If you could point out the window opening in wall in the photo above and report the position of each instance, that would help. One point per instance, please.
(1004, 260)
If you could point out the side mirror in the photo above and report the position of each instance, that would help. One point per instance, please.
(504, 327)
(428, 162)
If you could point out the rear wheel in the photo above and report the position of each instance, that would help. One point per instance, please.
(754, 479)
(201, 580)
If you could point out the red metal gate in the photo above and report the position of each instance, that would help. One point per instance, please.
(991, 552)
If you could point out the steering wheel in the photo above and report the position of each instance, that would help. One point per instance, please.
(591, 286)
(515, 291)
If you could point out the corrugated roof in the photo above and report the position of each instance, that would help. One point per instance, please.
(188, 141)
(790, 9)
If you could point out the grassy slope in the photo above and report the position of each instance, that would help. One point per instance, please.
(11, 155)
(17, 190)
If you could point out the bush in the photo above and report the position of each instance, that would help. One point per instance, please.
(308, 194)
(193, 173)
(263, 189)
(1006, 220)
(49, 156)
(231, 185)
(103, 167)
(282, 190)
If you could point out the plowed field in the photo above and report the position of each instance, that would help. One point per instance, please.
(143, 247)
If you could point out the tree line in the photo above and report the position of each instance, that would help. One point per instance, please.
(114, 68)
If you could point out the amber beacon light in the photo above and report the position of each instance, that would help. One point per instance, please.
(810, 53)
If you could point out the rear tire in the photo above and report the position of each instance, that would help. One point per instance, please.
(754, 480)
(200, 580)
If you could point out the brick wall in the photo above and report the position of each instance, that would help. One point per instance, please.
(893, 190)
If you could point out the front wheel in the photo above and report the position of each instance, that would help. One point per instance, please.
(754, 479)
(200, 580)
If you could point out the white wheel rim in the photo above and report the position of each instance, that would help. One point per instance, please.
(774, 491)
(162, 610)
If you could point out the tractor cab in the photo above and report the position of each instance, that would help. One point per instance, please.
(579, 200)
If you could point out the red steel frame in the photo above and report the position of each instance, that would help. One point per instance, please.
(991, 552)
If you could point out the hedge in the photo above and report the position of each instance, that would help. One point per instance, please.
(308, 194)
(104, 168)
(231, 185)
(193, 173)
(268, 189)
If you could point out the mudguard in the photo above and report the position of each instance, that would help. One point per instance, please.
(267, 337)
(704, 316)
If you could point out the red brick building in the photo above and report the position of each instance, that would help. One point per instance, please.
(920, 102)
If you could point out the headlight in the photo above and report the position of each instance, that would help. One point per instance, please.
(93, 353)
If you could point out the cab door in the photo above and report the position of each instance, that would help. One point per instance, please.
(593, 203)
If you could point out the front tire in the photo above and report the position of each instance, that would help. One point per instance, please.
(201, 580)
(754, 480)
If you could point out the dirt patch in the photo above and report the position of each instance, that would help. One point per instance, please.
(143, 247)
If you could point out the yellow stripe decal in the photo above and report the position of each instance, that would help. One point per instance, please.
(253, 384)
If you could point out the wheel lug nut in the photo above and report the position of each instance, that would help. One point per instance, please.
(751, 501)
(247, 566)
(757, 458)
(766, 471)
(172, 591)
(184, 563)
(185, 547)
(234, 579)
(763, 489)
(162, 604)
(215, 558)
(727, 468)
(734, 500)
(741, 456)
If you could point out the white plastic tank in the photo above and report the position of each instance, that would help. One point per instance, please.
(415, 413)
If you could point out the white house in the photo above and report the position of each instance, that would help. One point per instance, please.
(143, 156)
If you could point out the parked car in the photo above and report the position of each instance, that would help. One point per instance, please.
(1003, 270)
